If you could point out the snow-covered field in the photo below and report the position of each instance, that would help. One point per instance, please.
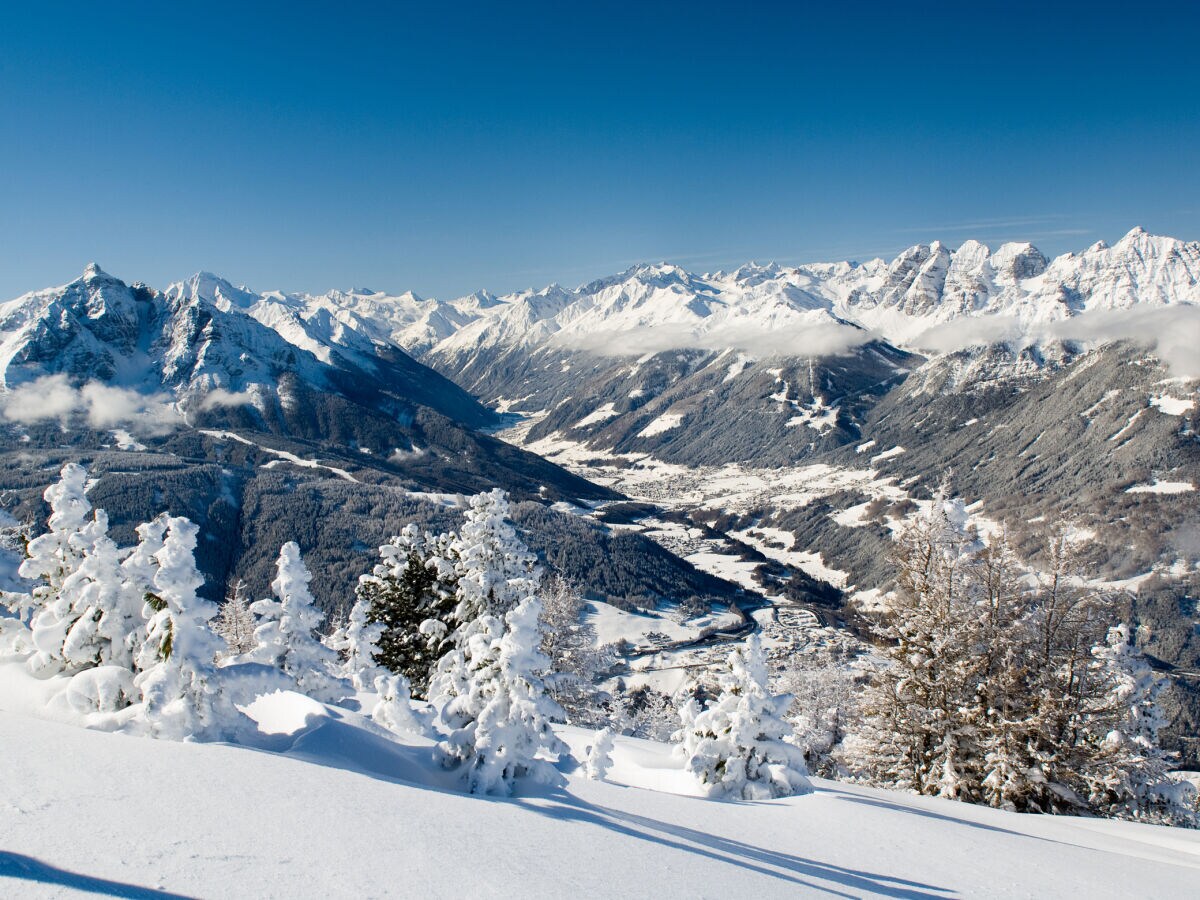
(335, 809)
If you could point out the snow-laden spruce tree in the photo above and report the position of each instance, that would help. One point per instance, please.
(599, 755)
(105, 627)
(494, 571)
(1125, 773)
(16, 600)
(101, 646)
(922, 712)
(286, 633)
(179, 682)
(393, 710)
(360, 646)
(410, 594)
(737, 746)
(140, 568)
(577, 659)
(492, 702)
(500, 720)
(235, 623)
(52, 558)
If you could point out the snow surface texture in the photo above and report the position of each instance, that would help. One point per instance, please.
(216, 820)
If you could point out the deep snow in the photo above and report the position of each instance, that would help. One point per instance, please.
(329, 806)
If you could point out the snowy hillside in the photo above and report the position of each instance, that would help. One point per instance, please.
(333, 809)
(231, 739)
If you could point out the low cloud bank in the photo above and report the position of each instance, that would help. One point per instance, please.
(1172, 333)
(799, 339)
(100, 405)
(103, 406)
(969, 332)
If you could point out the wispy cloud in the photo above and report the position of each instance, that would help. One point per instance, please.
(983, 224)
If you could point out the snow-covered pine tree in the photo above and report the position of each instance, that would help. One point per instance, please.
(738, 745)
(104, 625)
(15, 595)
(599, 758)
(52, 558)
(922, 712)
(576, 659)
(360, 646)
(286, 633)
(393, 710)
(500, 720)
(235, 622)
(494, 571)
(414, 584)
(179, 681)
(140, 568)
(1126, 771)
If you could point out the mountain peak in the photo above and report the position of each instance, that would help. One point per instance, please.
(93, 270)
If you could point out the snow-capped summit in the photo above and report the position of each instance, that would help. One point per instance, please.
(215, 290)
(203, 335)
(923, 286)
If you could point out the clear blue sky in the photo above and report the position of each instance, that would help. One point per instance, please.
(448, 147)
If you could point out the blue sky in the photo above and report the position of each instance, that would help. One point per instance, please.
(311, 146)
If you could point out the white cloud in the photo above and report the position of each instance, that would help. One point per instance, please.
(1171, 332)
(100, 405)
(51, 397)
(821, 339)
(221, 397)
(967, 332)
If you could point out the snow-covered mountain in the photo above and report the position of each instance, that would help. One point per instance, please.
(775, 422)
(194, 344)
(923, 286)
(250, 418)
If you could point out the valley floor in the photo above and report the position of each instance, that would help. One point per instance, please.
(337, 809)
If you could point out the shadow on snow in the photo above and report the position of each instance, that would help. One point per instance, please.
(15, 865)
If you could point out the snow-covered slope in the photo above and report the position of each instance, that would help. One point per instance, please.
(331, 808)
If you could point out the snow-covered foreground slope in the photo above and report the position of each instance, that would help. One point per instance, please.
(337, 810)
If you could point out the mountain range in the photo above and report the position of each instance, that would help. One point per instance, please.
(758, 433)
